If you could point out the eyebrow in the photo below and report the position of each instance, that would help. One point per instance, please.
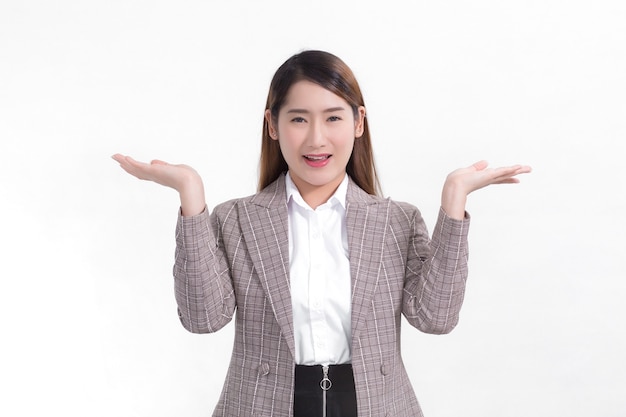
(329, 110)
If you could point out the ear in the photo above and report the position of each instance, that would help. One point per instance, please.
(359, 122)
(273, 132)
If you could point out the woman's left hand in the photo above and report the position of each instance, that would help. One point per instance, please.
(461, 182)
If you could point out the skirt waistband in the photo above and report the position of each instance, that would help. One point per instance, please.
(309, 377)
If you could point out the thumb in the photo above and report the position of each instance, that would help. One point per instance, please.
(480, 165)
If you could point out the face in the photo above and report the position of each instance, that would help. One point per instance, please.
(316, 130)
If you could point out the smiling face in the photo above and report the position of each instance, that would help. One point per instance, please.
(316, 130)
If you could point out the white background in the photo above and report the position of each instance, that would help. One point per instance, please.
(88, 319)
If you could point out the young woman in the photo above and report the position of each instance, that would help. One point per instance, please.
(318, 266)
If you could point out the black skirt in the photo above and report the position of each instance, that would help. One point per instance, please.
(317, 396)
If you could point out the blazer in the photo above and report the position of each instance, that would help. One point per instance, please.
(237, 259)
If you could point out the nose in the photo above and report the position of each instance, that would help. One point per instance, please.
(315, 135)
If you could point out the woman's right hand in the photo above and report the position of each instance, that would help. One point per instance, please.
(180, 177)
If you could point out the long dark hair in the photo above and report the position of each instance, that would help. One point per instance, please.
(331, 73)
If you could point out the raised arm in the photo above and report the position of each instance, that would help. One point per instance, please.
(437, 266)
(203, 284)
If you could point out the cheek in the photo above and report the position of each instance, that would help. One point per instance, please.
(345, 140)
(288, 131)
(288, 145)
(286, 140)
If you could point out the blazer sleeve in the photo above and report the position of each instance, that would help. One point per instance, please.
(436, 272)
(202, 279)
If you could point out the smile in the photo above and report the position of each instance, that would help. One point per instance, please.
(316, 161)
(316, 157)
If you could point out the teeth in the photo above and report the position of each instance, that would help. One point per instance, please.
(315, 158)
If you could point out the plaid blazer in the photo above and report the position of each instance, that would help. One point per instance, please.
(236, 259)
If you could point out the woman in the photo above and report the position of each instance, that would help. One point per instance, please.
(318, 267)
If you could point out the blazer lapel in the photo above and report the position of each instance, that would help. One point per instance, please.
(265, 228)
(366, 223)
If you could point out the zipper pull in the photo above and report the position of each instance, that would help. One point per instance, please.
(325, 383)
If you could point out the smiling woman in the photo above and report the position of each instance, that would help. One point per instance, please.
(317, 266)
(335, 77)
(316, 129)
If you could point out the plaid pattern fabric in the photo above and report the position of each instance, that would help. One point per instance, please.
(236, 259)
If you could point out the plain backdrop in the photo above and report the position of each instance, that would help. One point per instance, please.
(88, 318)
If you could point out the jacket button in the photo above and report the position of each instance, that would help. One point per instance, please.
(264, 368)
(383, 369)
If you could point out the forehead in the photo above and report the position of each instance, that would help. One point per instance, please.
(311, 96)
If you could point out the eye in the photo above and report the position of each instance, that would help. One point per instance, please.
(298, 120)
(334, 118)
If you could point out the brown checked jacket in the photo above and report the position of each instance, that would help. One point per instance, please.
(236, 260)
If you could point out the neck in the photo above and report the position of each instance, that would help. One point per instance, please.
(316, 195)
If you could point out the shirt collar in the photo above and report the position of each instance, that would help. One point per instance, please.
(338, 197)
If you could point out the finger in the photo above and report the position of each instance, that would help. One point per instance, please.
(508, 175)
(138, 165)
(480, 165)
(131, 169)
(134, 161)
(136, 168)
(158, 162)
(123, 161)
(521, 169)
(507, 181)
(510, 171)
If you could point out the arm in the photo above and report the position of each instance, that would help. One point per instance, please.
(202, 280)
(436, 272)
(203, 285)
(437, 268)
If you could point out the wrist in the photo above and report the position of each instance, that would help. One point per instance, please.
(191, 192)
(453, 200)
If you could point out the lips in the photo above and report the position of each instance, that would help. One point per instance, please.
(316, 160)
(316, 157)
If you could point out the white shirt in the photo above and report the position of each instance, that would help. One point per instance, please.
(320, 277)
